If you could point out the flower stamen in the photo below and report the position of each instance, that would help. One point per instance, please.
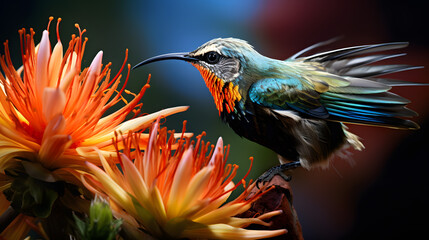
(58, 29)
(49, 23)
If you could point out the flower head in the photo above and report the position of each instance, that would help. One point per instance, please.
(52, 110)
(53, 116)
(176, 194)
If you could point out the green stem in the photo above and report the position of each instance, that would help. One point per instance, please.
(7, 217)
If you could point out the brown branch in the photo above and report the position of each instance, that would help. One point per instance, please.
(279, 198)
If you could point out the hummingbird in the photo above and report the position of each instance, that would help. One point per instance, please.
(298, 107)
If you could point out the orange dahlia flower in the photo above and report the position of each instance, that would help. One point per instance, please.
(52, 117)
(51, 111)
(176, 194)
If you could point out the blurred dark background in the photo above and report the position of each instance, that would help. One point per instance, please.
(381, 192)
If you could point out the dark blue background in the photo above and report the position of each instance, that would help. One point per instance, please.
(382, 191)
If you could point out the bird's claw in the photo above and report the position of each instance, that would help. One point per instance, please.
(268, 175)
(277, 170)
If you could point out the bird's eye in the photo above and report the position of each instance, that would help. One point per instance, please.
(212, 57)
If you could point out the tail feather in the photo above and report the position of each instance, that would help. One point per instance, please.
(364, 50)
(399, 109)
(346, 64)
(369, 71)
(389, 122)
(381, 109)
(343, 62)
(353, 51)
(396, 111)
(396, 82)
(314, 46)
(382, 98)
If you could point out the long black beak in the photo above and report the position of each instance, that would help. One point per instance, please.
(179, 56)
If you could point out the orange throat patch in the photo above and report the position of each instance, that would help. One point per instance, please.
(225, 94)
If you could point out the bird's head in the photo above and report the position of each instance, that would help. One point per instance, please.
(220, 62)
(223, 57)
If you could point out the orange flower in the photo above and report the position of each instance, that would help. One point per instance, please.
(176, 194)
(52, 117)
(51, 111)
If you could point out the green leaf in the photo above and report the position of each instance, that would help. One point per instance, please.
(80, 225)
(33, 197)
(37, 192)
(43, 210)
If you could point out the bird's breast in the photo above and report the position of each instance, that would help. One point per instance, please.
(225, 94)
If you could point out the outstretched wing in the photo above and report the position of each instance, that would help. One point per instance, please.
(340, 85)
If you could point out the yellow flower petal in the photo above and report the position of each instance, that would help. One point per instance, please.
(43, 55)
(55, 126)
(196, 187)
(14, 136)
(114, 190)
(158, 207)
(213, 205)
(133, 125)
(52, 148)
(55, 64)
(18, 228)
(109, 170)
(221, 214)
(54, 101)
(90, 84)
(137, 185)
(68, 76)
(218, 151)
(181, 178)
(241, 222)
(224, 231)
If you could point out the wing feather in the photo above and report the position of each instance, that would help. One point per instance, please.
(287, 94)
(341, 85)
(353, 51)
